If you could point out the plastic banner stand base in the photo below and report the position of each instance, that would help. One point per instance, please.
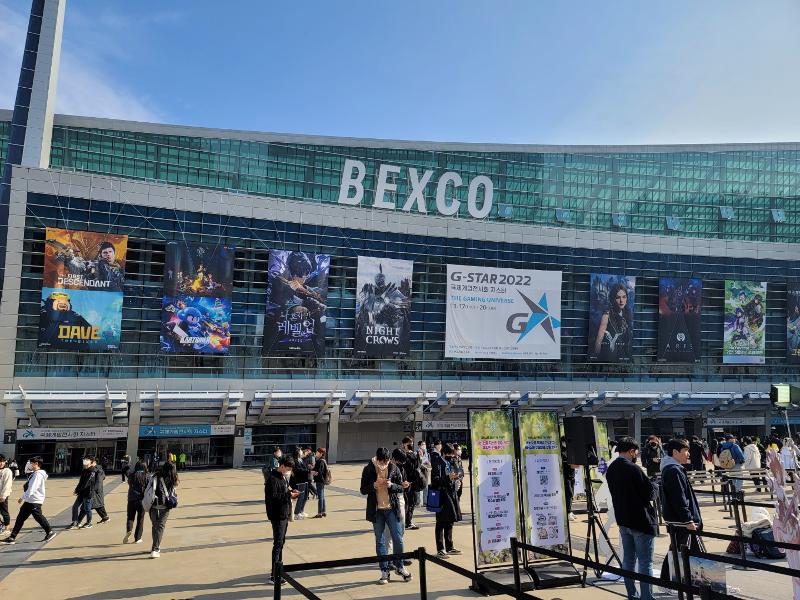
(553, 574)
(504, 576)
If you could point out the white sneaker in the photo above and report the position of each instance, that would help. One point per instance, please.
(139, 541)
(155, 554)
(384, 578)
(304, 515)
(572, 517)
(404, 574)
(127, 538)
(299, 517)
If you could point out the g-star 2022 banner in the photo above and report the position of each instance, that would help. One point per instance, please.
(503, 313)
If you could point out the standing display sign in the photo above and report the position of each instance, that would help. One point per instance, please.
(612, 302)
(503, 313)
(745, 322)
(494, 485)
(543, 486)
(82, 291)
(196, 308)
(680, 303)
(297, 296)
(383, 305)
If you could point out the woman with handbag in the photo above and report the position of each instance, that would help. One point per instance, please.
(163, 483)
(444, 480)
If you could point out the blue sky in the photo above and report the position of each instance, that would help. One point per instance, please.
(570, 72)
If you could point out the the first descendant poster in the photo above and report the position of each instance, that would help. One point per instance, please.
(503, 313)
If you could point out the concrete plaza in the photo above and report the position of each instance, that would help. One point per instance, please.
(217, 545)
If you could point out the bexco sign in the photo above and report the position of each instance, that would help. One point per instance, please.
(446, 204)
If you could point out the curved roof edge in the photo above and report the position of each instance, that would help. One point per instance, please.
(293, 138)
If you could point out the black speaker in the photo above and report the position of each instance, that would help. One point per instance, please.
(581, 434)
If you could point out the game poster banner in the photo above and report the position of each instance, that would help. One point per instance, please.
(198, 270)
(793, 321)
(545, 500)
(198, 324)
(297, 296)
(612, 303)
(84, 260)
(80, 320)
(745, 323)
(503, 313)
(494, 484)
(680, 304)
(383, 305)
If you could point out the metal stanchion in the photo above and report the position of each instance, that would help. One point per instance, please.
(687, 570)
(515, 559)
(742, 545)
(676, 565)
(423, 575)
(742, 504)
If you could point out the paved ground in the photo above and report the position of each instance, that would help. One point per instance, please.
(217, 545)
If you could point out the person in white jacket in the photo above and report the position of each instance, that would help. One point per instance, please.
(752, 459)
(6, 477)
(31, 503)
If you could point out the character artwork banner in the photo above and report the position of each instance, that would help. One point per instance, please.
(297, 296)
(793, 321)
(680, 304)
(198, 270)
(612, 305)
(383, 305)
(84, 260)
(80, 320)
(196, 324)
(745, 322)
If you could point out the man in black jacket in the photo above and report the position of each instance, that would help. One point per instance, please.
(278, 500)
(382, 483)
(633, 494)
(413, 473)
(83, 495)
(678, 502)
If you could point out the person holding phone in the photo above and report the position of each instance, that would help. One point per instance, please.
(444, 478)
(278, 496)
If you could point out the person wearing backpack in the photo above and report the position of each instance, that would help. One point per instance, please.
(162, 498)
(137, 484)
(731, 458)
(322, 477)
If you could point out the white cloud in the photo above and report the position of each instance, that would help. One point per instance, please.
(83, 89)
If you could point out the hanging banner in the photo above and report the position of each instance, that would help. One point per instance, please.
(745, 322)
(503, 313)
(297, 295)
(680, 303)
(494, 488)
(196, 307)
(545, 502)
(82, 291)
(383, 306)
(793, 321)
(612, 303)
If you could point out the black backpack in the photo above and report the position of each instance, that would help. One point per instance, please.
(763, 551)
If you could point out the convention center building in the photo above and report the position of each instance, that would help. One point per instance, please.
(219, 293)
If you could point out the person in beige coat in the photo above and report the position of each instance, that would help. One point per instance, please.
(6, 477)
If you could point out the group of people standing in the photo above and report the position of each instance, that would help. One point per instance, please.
(309, 476)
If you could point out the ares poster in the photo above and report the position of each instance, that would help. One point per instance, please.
(383, 305)
(80, 320)
(297, 296)
(680, 304)
(84, 260)
(503, 313)
(793, 321)
(745, 322)
(611, 307)
(196, 308)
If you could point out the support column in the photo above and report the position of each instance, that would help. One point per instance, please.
(134, 420)
(238, 442)
(418, 434)
(333, 437)
(767, 424)
(637, 426)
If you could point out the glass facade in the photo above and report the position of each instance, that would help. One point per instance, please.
(150, 229)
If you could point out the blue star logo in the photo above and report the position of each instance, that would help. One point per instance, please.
(539, 316)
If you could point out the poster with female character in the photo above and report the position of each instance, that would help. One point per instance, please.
(680, 304)
(611, 308)
(793, 321)
(745, 322)
(297, 296)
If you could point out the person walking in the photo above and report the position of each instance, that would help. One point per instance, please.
(444, 479)
(413, 473)
(382, 483)
(182, 460)
(83, 495)
(125, 467)
(137, 484)
(164, 482)
(633, 496)
(321, 476)
(568, 473)
(6, 481)
(98, 496)
(278, 498)
(679, 505)
(300, 479)
(31, 502)
(731, 458)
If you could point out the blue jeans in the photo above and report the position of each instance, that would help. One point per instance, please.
(388, 518)
(86, 505)
(300, 505)
(637, 547)
(320, 498)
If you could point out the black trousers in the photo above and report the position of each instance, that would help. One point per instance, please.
(4, 512)
(411, 499)
(26, 510)
(279, 527)
(683, 537)
(444, 535)
(569, 491)
(135, 512)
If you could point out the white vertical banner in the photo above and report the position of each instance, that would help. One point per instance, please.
(503, 313)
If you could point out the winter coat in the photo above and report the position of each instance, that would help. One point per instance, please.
(632, 494)
(752, 457)
(300, 473)
(97, 487)
(368, 478)
(277, 497)
(440, 480)
(321, 467)
(697, 456)
(6, 477)
(678, 502)
(85, 484)
(137, 484)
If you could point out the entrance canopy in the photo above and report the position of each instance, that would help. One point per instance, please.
(454, 406)
(288, 407)
(35, 408)
(204, 407)
(385, 406)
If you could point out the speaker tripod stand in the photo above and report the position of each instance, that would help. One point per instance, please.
(592, 528)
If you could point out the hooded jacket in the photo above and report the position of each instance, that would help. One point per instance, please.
(35, 493)
(6, 477)
(678, 502)
(368, 478)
